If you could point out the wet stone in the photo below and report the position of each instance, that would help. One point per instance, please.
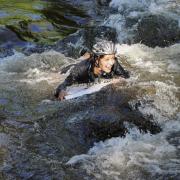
(157, 30)
(42, 147)
(84, 39)
(106, 116)
(36, 49)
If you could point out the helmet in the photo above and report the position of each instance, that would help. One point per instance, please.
(104, 47)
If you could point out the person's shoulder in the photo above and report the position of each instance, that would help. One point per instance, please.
(85, 62)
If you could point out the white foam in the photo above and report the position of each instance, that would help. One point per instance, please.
(165, 104)
(154, 60)
(173, 67)
(157, 62)
(123, 5)
(50, 60)
(136, 153)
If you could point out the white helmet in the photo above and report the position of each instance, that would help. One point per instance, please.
(104, 47)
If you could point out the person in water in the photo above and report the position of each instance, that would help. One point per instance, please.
(101, 63)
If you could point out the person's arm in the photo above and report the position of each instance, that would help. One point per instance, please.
(72, 78)
(119, 70)
(60, 91)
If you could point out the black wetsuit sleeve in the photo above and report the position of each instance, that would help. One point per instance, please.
(119, 70)
(75, 74)
(68, 82)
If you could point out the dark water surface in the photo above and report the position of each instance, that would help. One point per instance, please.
(38, 21)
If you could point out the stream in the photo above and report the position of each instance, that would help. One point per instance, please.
(127, 130)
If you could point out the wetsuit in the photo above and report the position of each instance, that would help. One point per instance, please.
(83, 73)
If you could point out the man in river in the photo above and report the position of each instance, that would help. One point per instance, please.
(101, 63)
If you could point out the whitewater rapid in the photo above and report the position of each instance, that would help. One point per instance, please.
(29, 81)
(135, 10)
(143, 156)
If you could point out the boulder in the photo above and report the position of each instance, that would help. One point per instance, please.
(84, 39)
(157, 30)
(74, 44)
(81, 122)
(70, 128)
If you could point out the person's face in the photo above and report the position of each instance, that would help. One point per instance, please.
(106, 62)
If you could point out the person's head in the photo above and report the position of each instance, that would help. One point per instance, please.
(105, 55)
(106, 62)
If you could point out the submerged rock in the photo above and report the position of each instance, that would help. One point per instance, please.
(157, 30)
(47, 143)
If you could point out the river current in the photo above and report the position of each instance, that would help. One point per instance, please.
(26, 87)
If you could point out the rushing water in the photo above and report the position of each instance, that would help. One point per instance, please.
(144, 156)
(33, 142)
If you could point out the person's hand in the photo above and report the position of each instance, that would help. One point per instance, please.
(61, 95)
(87, 55)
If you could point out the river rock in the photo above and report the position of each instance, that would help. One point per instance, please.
(107, 115)
(70, 128)
(97, 117)
(74, 44)
(84, 39)
(36, 49)
(157, 30)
